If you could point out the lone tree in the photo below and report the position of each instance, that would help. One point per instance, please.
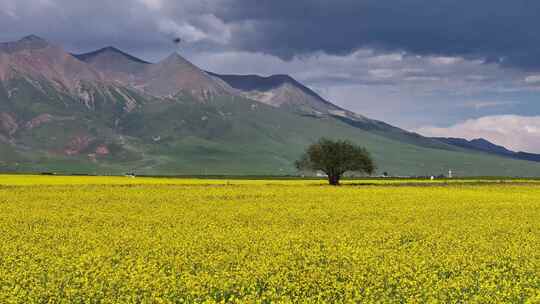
(335, 158)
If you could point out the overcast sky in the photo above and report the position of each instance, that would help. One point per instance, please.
(440, 67)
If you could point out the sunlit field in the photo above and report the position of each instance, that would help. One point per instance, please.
(159, 240)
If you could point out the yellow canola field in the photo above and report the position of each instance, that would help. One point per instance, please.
(122, 240)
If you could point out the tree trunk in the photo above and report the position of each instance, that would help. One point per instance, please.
(334, 179)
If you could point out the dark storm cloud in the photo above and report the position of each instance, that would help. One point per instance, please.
(81, 25)
(499, 31)
(495, 30)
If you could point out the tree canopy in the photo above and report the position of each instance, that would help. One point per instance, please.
(335, 158)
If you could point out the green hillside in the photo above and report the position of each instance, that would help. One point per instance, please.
(107, 112)
(225, 135)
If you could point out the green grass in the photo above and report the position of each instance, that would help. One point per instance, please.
(223, 136)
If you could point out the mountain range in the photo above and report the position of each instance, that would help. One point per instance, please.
(108, 112)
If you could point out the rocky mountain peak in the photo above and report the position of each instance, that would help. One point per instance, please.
(176, 60)
(111, 52)
(32, 39)
(31, 42)
(32, 57)
(176, 74)
(282, 90)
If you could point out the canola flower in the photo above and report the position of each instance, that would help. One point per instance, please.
(120, 240)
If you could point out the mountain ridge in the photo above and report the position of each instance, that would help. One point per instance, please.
(111, 113)
(107, 49)
(172, 75)
(25, 43)
(279, 90)
(251, 82)
(483, 145)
